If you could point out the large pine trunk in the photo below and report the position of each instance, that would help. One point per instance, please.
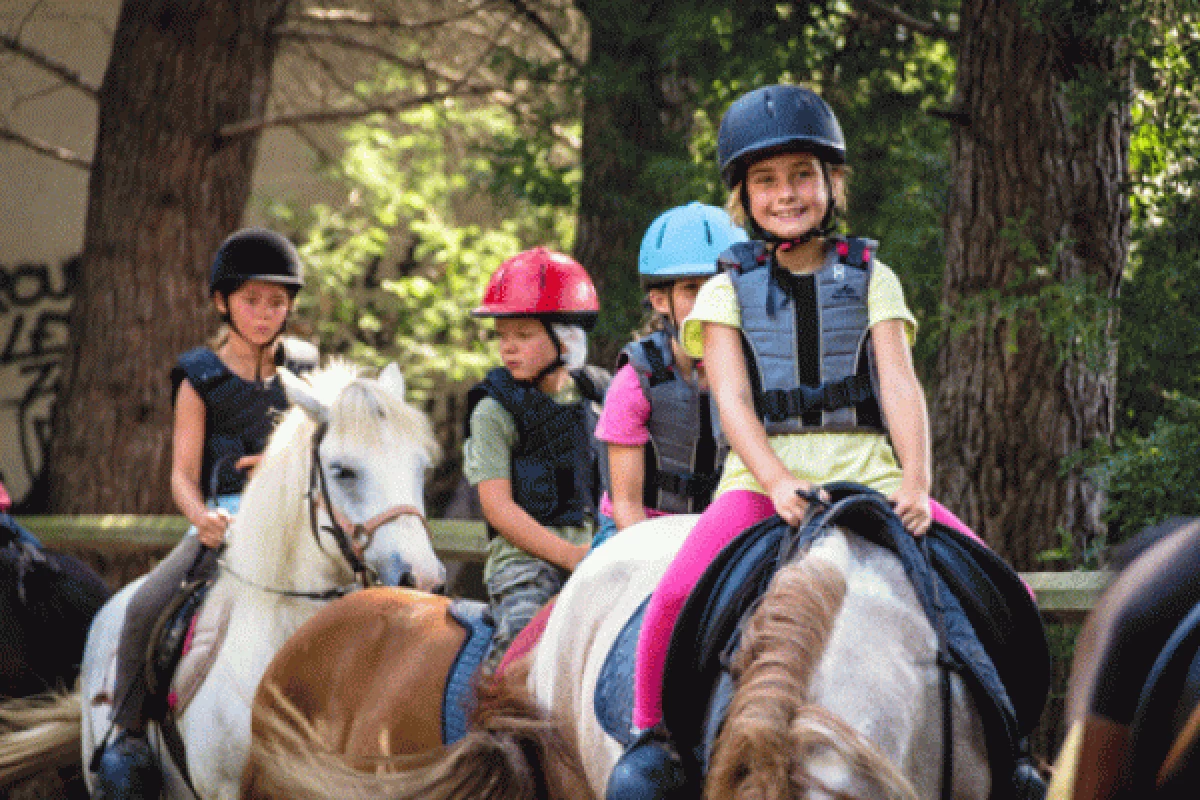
(1006, 419)
(165, 189)
(636, 117)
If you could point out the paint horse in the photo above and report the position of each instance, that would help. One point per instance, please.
(337, 496)
(835, 690)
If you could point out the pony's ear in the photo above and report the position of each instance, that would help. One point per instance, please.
(300, 394)
(392, 379)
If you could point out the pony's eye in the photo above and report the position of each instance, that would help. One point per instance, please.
(342, 473)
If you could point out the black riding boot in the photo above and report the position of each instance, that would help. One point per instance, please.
(650, 769)
(127, 770)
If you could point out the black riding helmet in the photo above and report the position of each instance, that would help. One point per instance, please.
(256, 254)
(779, 119)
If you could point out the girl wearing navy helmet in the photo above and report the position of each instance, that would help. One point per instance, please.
(226, 400)
(807, 340)
(656, 422)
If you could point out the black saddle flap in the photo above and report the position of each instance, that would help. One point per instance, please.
(1004, 615)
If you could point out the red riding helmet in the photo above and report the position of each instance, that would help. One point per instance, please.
(544, 284)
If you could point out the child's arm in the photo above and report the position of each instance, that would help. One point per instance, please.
(187, 455)
(627, 476)
(735, 403)
(523, 531)
(902, 401)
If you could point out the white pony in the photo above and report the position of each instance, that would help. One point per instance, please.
(838, 685)
(837, 696)
(276, 571)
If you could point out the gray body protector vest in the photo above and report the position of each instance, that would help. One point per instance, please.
(846, 397)
(555, 464)
(681, 462)
(239, 414)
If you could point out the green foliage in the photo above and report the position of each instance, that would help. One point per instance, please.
(1153, 477)
(398, 263)
(1159, 343)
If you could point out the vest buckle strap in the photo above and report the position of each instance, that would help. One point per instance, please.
(686, 484)
(778, 405)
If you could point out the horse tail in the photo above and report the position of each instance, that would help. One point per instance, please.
(514, 750)
(39, 733)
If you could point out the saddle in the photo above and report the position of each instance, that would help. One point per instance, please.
(1165, 734)
(989, 627)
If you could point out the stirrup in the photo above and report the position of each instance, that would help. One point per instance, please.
(649, 769)
(127, 770)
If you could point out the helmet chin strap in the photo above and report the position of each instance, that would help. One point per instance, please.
(783, 244)
(558, 358)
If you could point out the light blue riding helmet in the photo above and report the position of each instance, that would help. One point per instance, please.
(684, 242)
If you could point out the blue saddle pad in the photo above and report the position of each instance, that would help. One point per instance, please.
(614, 685)
(459, 698)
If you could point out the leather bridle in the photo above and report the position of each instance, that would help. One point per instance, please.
(352, 538)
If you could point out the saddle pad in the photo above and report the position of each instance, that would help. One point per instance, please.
(204, 639)
(459, 698)
(1003, 614)
(1168, 699)
(613, 699)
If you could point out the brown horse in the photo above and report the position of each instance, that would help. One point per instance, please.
(365, 679)
(837, 690)
(1124, 740)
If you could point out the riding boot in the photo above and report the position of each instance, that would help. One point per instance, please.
(127, 770)
(649, 769)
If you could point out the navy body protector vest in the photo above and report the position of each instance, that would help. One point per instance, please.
(681, 463)
(555, 464)
(239, 414)
(848, 383)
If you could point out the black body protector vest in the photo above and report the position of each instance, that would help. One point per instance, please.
(846, 397)
(555, 464)
(681, 458)
(239, 415)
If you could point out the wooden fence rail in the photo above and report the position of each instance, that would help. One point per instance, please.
(1064, 596)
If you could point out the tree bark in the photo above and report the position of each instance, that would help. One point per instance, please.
(165, 189)
(1005, 419)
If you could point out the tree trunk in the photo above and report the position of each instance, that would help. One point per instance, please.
(165, 189)
(636, 120)
(1006, 418)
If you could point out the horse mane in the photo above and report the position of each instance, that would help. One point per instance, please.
(274, 505)
(772, 726)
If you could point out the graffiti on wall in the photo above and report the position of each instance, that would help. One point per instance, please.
(35, 300)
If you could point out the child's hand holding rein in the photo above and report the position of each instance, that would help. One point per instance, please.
(912, 506)
(790, 506)
(212, 525)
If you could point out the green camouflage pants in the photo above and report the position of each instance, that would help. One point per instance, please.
(517, 591)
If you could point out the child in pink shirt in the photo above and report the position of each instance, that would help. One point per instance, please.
(656, 421)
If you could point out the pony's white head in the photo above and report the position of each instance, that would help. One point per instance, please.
(373, 449)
